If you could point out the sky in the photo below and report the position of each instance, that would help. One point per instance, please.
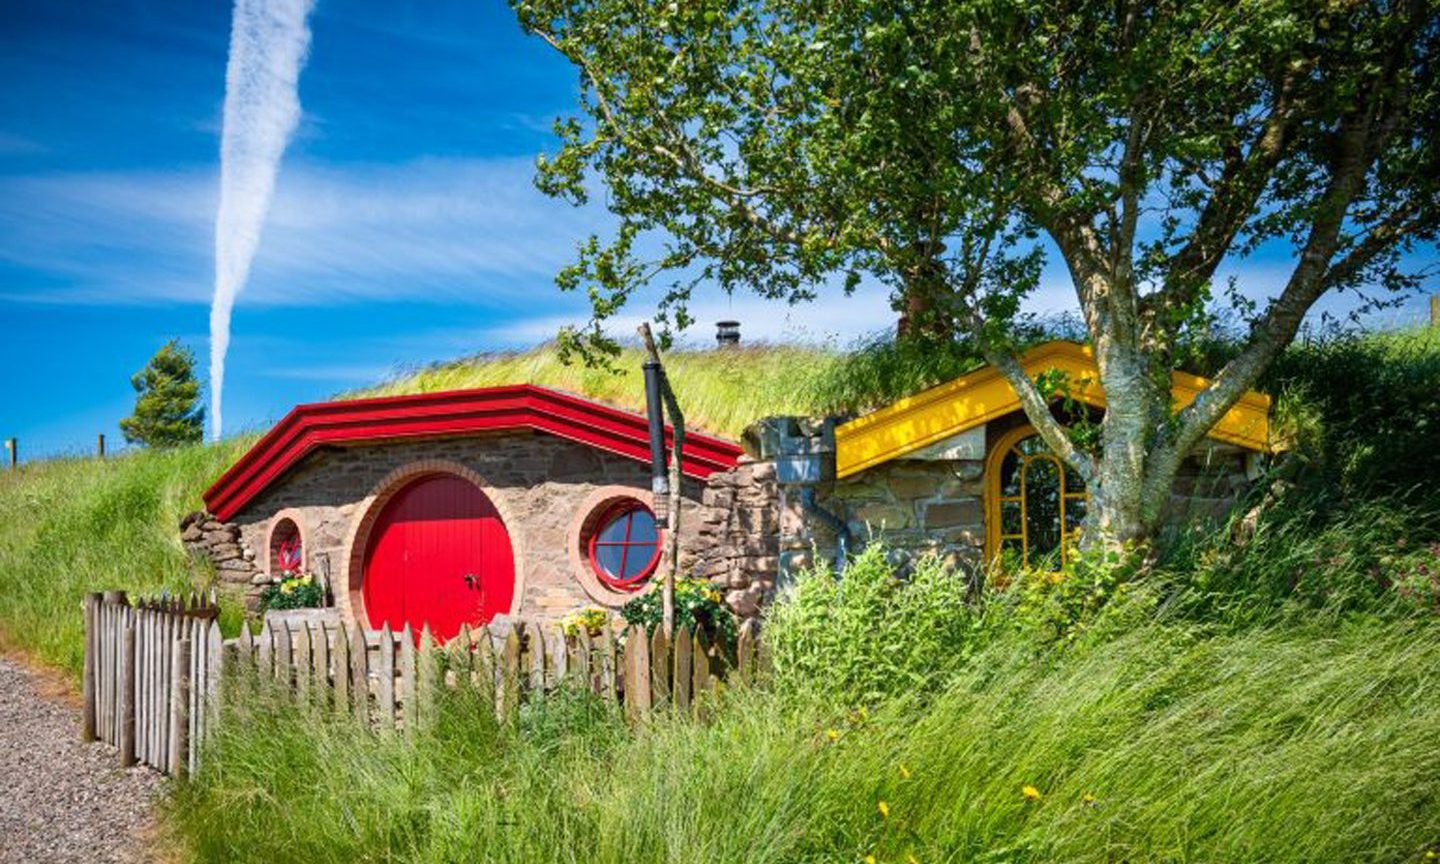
(405, 227)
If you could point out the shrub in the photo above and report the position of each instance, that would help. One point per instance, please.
(293, 591)
(698, 605)
(867, 634)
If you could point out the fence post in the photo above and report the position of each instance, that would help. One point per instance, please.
(425, 679)
(100, 445)
(407, 680)
(92, 638)
(637, 675)
(127, 693)
(179, 706)
(360, 675)
(387, 681)
(13, 445)
(659, 668)
(684, 644)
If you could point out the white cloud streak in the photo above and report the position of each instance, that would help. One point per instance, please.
(269, 40)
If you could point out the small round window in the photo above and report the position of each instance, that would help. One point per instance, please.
(624, 546)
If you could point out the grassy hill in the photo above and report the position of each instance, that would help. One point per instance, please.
(1269, 700)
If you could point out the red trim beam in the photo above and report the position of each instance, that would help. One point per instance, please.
(452, 413)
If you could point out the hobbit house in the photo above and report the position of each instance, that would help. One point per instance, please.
(452, 508)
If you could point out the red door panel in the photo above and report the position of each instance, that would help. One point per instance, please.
(428, 539)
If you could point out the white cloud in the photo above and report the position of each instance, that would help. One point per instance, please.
(451, 229)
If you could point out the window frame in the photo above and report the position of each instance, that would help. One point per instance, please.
(623, 508)
(300, 536)
(995, 538)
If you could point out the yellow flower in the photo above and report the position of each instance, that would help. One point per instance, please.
(832, 734)
(884, 810)
(869, 859)
(1088, 798)
(904, 772)
(911, 859)
(1030, 792)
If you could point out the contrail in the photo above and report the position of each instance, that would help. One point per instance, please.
(268, 43)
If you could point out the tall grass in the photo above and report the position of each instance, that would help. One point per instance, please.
(68, 526)
(721, 390)
(1276, 745)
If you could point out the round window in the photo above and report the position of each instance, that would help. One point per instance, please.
(625, 546)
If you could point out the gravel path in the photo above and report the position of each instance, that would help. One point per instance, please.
(61, 800)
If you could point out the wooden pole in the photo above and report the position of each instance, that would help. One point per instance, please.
(1435, 311)
(179, 754)
(13, 445)
(100, 445)
(127, 693)
(92, 643)
(670, 562)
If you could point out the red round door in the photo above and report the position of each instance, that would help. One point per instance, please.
(438, 555)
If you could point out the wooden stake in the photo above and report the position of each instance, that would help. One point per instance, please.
(92, 642)
(670, 562)
(127, 694)
(179, 754)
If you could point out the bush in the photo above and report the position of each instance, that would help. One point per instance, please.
(293, 591)
(867, 634)
(698, 606)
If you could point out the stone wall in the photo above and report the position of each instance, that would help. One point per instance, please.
(537, 482)
(736, 545)
(740, 530)
(218, 543)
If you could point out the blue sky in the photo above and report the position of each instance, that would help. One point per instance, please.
(404, 229)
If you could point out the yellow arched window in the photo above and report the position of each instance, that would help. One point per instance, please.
(1035, 504)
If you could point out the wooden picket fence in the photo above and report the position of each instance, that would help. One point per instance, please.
(153, 671)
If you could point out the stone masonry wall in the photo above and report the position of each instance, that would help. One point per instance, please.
(740, 530)
(537, 482)
(737, 544)
(208, 539)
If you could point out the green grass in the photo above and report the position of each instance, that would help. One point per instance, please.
(1277, 745)
(720, 391)
(1268, 700)
(69, 526)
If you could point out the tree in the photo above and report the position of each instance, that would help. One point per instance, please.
(789, 147)
(167, 409)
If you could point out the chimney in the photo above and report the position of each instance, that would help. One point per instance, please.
(727, 333)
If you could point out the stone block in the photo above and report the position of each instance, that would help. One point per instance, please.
(953, 514)
(918, 484)
(883, 516)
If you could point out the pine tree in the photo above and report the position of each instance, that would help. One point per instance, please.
(167, 409)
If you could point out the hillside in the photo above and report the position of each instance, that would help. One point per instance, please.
(72, 525)
(1291, 678)
(722, 391)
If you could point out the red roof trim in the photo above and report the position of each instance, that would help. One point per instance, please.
(450, 413)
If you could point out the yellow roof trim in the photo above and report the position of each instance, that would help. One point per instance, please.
(970, 400)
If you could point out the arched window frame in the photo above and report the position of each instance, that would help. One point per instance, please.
(277, 525)
(994, 499)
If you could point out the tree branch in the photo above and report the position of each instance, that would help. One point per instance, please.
(1359, 141)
